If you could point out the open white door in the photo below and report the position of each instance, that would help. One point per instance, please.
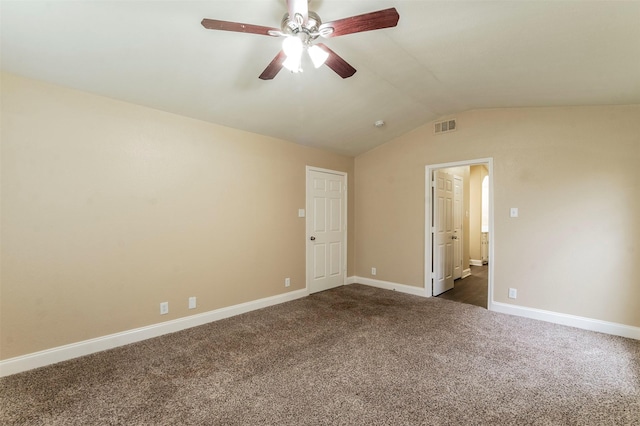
(443, 192)
(326, 229)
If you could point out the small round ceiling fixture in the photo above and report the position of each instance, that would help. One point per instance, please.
(379, 123)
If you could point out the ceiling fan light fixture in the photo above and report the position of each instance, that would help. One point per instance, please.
(293, 64)
(318, 56)
(292, 46)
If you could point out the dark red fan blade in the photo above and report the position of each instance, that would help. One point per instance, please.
(274, 67)
(214, 24)
(336, 63)
(369, 21)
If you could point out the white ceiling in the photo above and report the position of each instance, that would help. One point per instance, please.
(443, 57)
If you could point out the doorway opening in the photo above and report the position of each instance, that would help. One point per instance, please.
(459, 257)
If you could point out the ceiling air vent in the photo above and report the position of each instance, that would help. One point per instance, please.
(445, 126)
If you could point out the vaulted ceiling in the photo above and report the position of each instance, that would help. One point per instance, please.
(443, 57)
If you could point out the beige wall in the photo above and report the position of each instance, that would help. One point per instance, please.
(574, 175)
(109, 209)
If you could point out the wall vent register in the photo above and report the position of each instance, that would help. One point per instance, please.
(445, 126)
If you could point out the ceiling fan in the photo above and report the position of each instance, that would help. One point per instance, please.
(300, 28)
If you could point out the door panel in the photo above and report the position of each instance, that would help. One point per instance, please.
(319, 214)
(326, 230)
(443, 230)
(335, 256)
(319, 261)
(335, 224)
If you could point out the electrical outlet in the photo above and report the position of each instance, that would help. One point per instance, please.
(287, 282)
(513, 293)
(164, 308)
(192, 302)
(373, 271)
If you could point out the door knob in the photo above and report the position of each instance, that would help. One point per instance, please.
(454, 237)
(313, 238)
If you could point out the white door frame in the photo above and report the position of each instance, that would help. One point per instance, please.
(428, 247)
(306, 224)
(458, 213)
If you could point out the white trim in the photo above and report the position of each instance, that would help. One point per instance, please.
(351, 280)
(331, 172)
(584, 323)
(345, 233)
(569, 320)
(461, 236)
(427, 220)
(475, 262)
(429, 230)
(466, 272)
(86, 347)
(387, 285)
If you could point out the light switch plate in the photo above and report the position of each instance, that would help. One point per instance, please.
(300, 212)
(513, 212)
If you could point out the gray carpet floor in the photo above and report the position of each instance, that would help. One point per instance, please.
(354, 355)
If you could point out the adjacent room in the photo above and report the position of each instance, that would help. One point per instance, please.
(319, 212)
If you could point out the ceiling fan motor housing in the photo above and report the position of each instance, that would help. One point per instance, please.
(308, 30)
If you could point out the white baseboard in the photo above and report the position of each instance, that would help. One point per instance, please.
(402, 288)
(569, 320)
(350, 280)
(584, 323)
(475, 262)
(466, 273)
(86, 347)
